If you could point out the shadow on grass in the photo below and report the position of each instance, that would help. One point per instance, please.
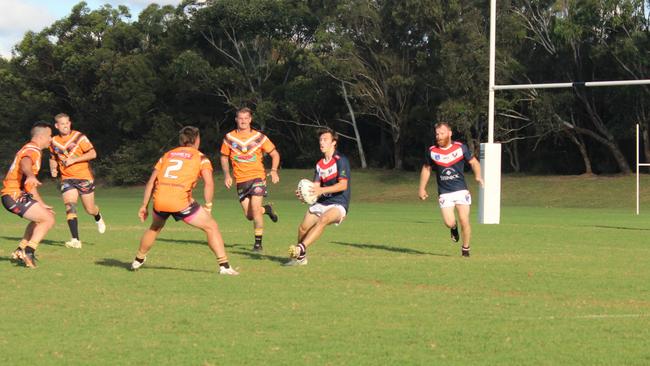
(388, 248)
(620, 228)
(260, 256)
(44, 241)
(110, 262)
(195, 242)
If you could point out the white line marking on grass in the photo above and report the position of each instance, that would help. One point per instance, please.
(590, 316)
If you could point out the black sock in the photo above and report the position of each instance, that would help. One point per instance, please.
(98, 216)
(74, 228)
(224, 265)
(258, 240)
(29, 250)
(303, 250)
(139, 260)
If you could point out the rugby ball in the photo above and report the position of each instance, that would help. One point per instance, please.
(304, 190)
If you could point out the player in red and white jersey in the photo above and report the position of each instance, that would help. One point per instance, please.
(333, 189)
(171, 184)
(20, 193)
(449, 158)
(70, 154)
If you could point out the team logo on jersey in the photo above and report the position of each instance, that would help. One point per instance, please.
(436, 157)
(180, 154)
(245, 158)
(449, 174)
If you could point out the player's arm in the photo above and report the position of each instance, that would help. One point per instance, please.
(275, 164)
(208, 188)
(148, 191)
(476, 168)
(87, 156)
(225, 167)
(425, 173)
(31, 182)
(54, 167)
(340, 186)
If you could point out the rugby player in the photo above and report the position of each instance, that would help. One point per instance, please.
(244, 148)
(70, 153)
(171, 184)
(449, 157)
(332, 186)
(20, 194)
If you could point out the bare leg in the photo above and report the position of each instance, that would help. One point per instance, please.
(463, 217)
(330, 217)
(150, 235)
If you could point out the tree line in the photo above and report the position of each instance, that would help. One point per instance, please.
(379, 72)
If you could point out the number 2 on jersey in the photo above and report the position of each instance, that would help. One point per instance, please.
(177, 165)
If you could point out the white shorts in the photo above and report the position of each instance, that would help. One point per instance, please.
(319, 209)
(452, 199)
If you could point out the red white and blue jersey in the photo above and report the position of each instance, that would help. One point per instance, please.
(449, 164)
(328, 174)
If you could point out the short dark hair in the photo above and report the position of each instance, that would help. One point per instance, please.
(440, 124)
(38, 127)
(324, 130)
(245, 110)
(188, 135)
(61, 115)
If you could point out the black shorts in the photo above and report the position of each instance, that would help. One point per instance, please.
(19, 206)
(254, 187)
(184, 214)
(84, 186)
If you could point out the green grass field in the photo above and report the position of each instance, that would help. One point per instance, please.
(562, 280)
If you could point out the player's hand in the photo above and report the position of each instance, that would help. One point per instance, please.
(54, 173)
(423, 194)
(227, 181)
(479, 180)
(143, 213)
(275, 178)
(31, 183)
(317, 190)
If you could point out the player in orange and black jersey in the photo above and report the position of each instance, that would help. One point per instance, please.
(171, 184)
(244, 148)
(70, 153)
(20, 194)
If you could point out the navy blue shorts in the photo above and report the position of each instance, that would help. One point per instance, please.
(254, 187)
(19, 206)
(185, 214)
(84, 186)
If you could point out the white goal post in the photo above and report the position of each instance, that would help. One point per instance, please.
(638, 164)
(489, 209)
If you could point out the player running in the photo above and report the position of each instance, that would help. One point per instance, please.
(171, 184)
(70, 153)
(245, 147)
(449, 157)
(332, 186)
(20, 194)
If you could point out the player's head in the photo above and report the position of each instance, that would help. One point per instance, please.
(327, 139)
(189, 136)
(63, 123)
(443, 134)
(244, 118)
(41, 134)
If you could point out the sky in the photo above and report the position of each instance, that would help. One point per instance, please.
(20, 16)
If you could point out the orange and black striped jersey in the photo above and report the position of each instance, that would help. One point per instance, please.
(246, 152)
(73, 145)
(14, 182)
(177, 173)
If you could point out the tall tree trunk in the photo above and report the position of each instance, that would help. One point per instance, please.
(357, 136)
(397, 152)
(582, 147)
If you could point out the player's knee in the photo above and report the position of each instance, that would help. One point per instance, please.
(48, 220)
(71, 210)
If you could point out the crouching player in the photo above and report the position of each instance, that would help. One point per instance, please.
(20, 195)
(171, 184)
(332, 186)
